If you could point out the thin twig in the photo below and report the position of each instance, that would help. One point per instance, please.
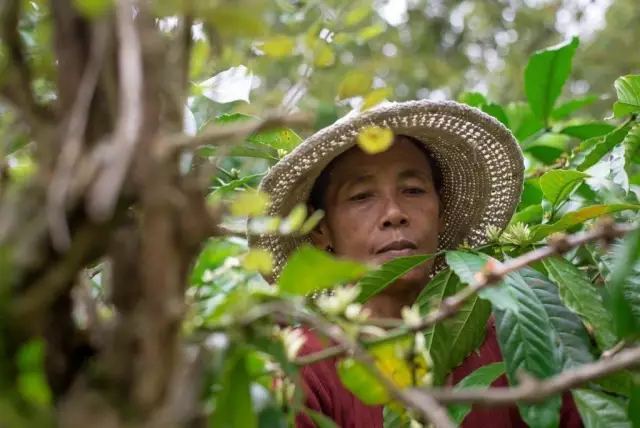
(533, 390)
(103, 198)
(605, 231)
(72, 142)
(218, 134)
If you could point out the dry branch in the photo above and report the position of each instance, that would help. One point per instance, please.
(532, 390)
(604, 231)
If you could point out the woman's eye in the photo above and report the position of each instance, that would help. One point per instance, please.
(414, 190)
(360, 196)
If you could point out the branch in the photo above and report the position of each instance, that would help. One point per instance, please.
(606, 230)
(532, 390)
(217, 134)
(104, 195)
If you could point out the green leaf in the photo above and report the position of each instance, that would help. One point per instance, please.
(631, 145)
(355, 83)
(272, 417)
(496, 111)
(241, 182)
(377, 280)
(522, 122)
(598, 148)
(624, 322)
(599, 410)
(557, 185)
(357, 15)
(526, 339)
(579, 295)
(572, 337)
(474, 99)
(565, 109)
(280, 138)
(452, 340)
(368, 33)
(321, 421)
(233, 404)
(93, 8)
(300, 274)
(588, 130)
(530, 215)
(548, 147)
(578, 217)
(633, 406)
(545, 74)
(531, 194)
(628, 90)
(480, 378)
(467, 265)
(392, 419)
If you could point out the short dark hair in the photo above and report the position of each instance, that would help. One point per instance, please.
(318, 192)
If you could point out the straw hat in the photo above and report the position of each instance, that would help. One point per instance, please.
(481, 163)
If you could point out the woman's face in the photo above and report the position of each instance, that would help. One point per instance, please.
(380, 207)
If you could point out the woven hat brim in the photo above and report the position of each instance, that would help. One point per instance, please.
(481, 163)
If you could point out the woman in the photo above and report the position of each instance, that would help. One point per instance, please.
(451, 172)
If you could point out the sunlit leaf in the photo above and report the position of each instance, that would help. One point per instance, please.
(628, 90)
(599, 410)
(588, 130)
(468, 265)
(311, 222)
(300, 274)
(278, 47)
(391, 360)
(242, 182)
(527, 343)
(258, 261)
(571, 106)
(557, 185)
(591, 151)
(236, 21)
(357, 15)
(579, 295)
(228, 86)
(294, 220)
(279, 138)
(342, 39)
(530, 215)
(323, 55)
(479, 378)
(474, 99)
(250, 203)
(368, 33)
(375, 97)
(545, 74)
(378, 279)
(374, 139)
(354, 83)
(578, 217)
(199, 56)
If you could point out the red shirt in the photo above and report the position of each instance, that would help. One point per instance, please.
(326, 394)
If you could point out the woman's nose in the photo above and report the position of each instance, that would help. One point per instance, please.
(393, 216)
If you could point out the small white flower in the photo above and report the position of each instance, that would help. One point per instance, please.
(355, 312)
(411, 316)
(293, 340)
(516, 234)
(207, 276)
(337, 303)
(493, 233)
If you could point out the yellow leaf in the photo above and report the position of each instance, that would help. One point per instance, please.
(21, 169)
(341, 39)
(250, 203)
(311, 222)
(295, 220)
(354, 83)
(233, 21)
(375, 97)
(199, 57)
(375, 139)
(258, 261)
(278, 47)
(369, 33)
(357, 15)
(323, 56)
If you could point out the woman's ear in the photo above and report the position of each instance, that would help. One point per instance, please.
(320, 234)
